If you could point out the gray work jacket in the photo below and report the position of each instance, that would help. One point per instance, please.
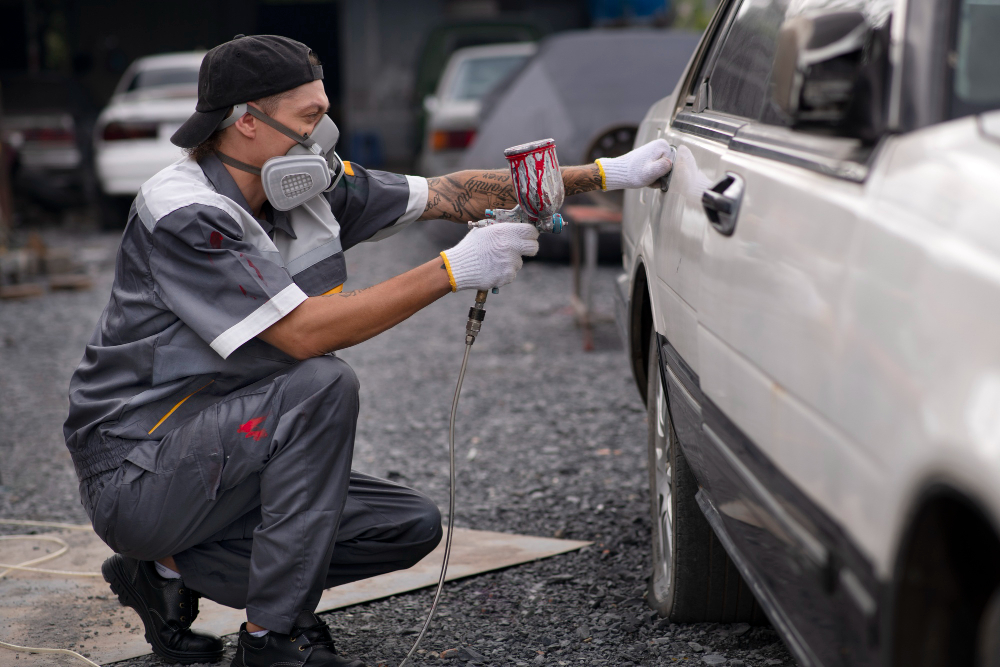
(197, 277)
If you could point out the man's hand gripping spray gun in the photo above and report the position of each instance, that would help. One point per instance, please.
(538, 187)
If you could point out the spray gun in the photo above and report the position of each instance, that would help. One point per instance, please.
(538, 187)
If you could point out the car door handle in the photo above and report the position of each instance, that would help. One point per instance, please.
(722, 203)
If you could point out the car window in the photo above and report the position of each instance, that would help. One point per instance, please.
(156, 78)
(739, 79)
(477, 76)
(976, 58)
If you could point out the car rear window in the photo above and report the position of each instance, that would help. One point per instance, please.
(157, 78)
(976, 58)
(477, 76)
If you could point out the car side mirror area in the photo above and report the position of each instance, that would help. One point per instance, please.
(431, 104)
(830, 75)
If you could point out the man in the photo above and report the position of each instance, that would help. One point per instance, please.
(210, 425)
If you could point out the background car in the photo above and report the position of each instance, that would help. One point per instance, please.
(42, 113)
(809, 309)
(454, 109)
(154, 97)
(574, 91)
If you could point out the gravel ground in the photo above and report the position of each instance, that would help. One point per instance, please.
(551, 442)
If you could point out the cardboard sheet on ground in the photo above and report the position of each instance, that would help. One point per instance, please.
(45, 610)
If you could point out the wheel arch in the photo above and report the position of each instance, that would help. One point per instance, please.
(640, 322)
(947, 568)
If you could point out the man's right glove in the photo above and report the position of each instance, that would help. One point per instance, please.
(489, 256)
(639, 168)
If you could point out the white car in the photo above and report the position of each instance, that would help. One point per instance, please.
(453, 111)
(810, 314)
(132, 135)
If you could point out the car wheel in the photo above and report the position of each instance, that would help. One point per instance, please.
(693, 579)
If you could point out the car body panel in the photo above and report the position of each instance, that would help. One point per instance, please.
(921, 359)
(832, 360)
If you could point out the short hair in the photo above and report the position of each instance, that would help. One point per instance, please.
(268, 105)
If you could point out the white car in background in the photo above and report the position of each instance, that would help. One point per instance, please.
(453, 112)
(132, 135)
(810, 304)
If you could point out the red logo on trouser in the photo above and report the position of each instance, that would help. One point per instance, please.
(250, 428)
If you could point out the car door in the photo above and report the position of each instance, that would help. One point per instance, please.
(773, 274)
(678, 233)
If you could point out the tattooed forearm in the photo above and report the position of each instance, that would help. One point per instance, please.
(585, 178)
(465, 195)
(346, 294)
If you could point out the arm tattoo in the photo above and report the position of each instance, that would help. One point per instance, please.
(347, 294)
(465, 195)
(581, 179)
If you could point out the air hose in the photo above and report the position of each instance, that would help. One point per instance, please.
(476, 315)
(26, 566)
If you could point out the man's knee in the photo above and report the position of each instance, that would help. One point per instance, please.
(425, 526)
(323, 376)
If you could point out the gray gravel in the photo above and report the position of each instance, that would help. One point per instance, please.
(551, 442)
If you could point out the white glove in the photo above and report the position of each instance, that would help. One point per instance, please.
(490, 256)
(638, 168)
(689, 182)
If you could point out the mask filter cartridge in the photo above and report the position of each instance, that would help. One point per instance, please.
(291, 180)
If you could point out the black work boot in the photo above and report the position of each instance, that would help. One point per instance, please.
(166, 608)
(308, 645)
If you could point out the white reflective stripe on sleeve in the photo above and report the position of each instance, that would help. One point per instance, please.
(415, 205)
(273, 310)
(416, 202)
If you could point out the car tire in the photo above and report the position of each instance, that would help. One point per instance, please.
(693, 579)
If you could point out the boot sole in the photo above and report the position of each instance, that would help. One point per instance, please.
(128, 596)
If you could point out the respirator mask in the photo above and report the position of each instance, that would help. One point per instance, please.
(309, 168)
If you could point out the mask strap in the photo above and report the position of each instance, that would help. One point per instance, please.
(303, 139)
(234, 115)
(339, 172)
(236, 164)
(240, 109)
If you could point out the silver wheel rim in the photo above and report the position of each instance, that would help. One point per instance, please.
(663, 473)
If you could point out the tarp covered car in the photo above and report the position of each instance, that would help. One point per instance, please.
(580, 86)
(588, 90)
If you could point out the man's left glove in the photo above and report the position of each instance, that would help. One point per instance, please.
(638, 168)
(490, 256)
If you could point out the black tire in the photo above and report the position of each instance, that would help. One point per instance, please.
(693, 579)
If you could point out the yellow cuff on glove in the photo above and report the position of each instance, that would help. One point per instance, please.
(604, 177)
(451, 276)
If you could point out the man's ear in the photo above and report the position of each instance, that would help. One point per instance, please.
(247, 126)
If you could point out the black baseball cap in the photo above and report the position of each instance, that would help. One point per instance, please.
(242, 70)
